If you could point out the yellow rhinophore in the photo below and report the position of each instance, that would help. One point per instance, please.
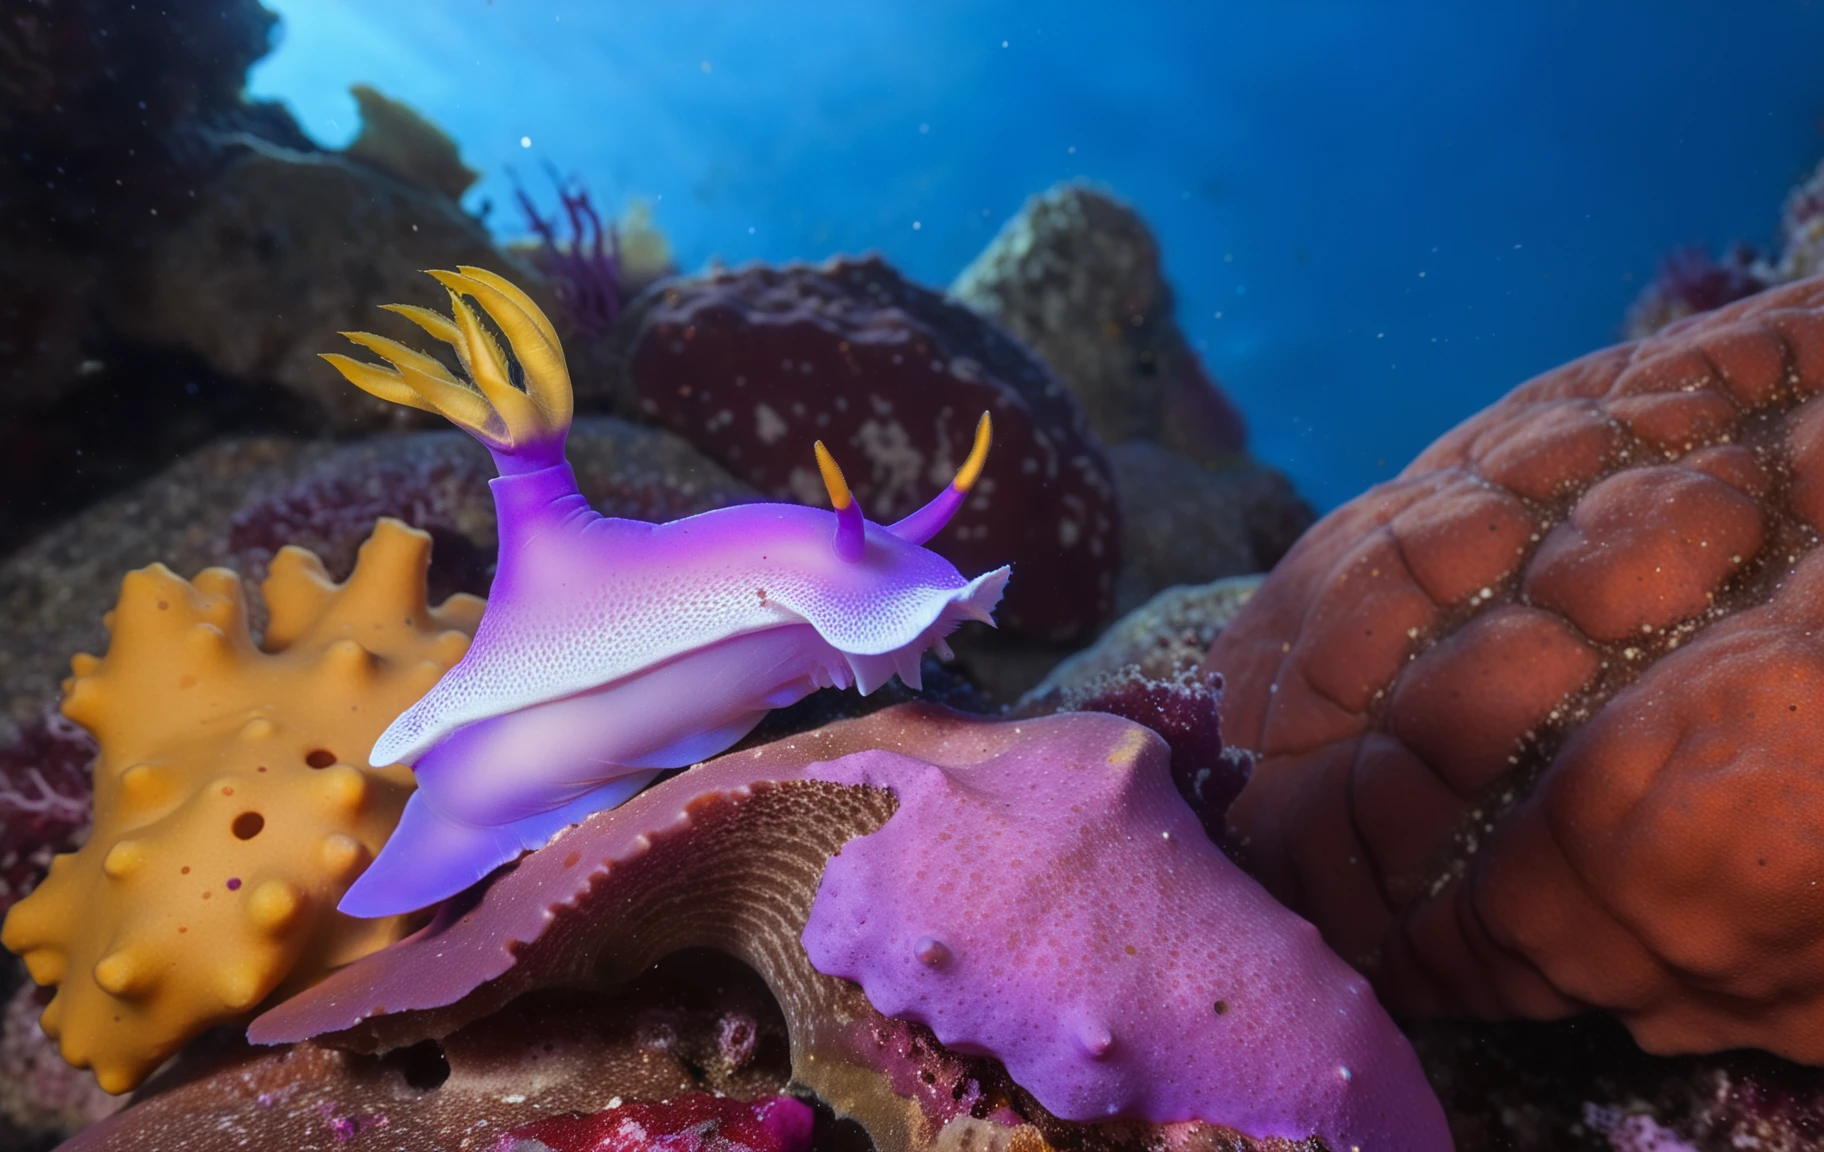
(840, 498)
(232, 804)
(971, 471)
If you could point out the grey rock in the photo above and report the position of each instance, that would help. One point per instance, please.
(1001, 665)
(1162, 639)
(55, 589)
(1183, 523)
(42, 1099)
(1076, 276)
(106, 110)
(284, 250)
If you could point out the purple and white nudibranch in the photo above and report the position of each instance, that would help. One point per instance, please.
(613, 649)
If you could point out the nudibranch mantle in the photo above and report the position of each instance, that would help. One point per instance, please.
(614, 649)
(581, 600)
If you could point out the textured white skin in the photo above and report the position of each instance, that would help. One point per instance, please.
(582, 601)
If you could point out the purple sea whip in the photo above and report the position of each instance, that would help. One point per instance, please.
(585, 272)
(614, 649)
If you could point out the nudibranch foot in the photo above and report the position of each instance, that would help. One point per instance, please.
(446, 856)
(612, 649)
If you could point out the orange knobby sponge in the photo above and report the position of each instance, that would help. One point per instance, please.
(232, 804)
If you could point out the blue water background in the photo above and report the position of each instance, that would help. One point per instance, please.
(1378, 217)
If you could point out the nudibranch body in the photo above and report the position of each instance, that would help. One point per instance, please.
(614, 649)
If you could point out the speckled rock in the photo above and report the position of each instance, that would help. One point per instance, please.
(282, 250)
(693, 1023)
(1182, 523)
(753, 365)
(1076, 275)
(1169, 634)
(1538, 719)
(42, 1099)
(237, 501)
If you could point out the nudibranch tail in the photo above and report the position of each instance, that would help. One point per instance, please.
(928, 521)
(851, 529)
(486, 403)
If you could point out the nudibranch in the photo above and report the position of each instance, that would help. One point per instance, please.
(612, 650)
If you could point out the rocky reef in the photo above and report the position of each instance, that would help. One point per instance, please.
(149, 202)
(1525, 734)
(684, 1045)
(294, 244)
(1078, 277)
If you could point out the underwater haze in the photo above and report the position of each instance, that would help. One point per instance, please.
(1378, 218)
(841, 575)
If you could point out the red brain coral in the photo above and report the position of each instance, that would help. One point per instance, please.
(753, 365)
(1541, 720)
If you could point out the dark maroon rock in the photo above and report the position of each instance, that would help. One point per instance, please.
(1690, 281)
(752, 366)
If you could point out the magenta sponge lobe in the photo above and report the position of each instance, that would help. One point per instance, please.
(1061, 908)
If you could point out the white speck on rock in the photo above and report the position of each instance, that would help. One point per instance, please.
(768, 424)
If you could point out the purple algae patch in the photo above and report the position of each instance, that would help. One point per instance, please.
(346, 1127)
(45, 783)
(696, 1122)
(1066, 914)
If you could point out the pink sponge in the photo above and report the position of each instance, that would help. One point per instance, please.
(1066, 914)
